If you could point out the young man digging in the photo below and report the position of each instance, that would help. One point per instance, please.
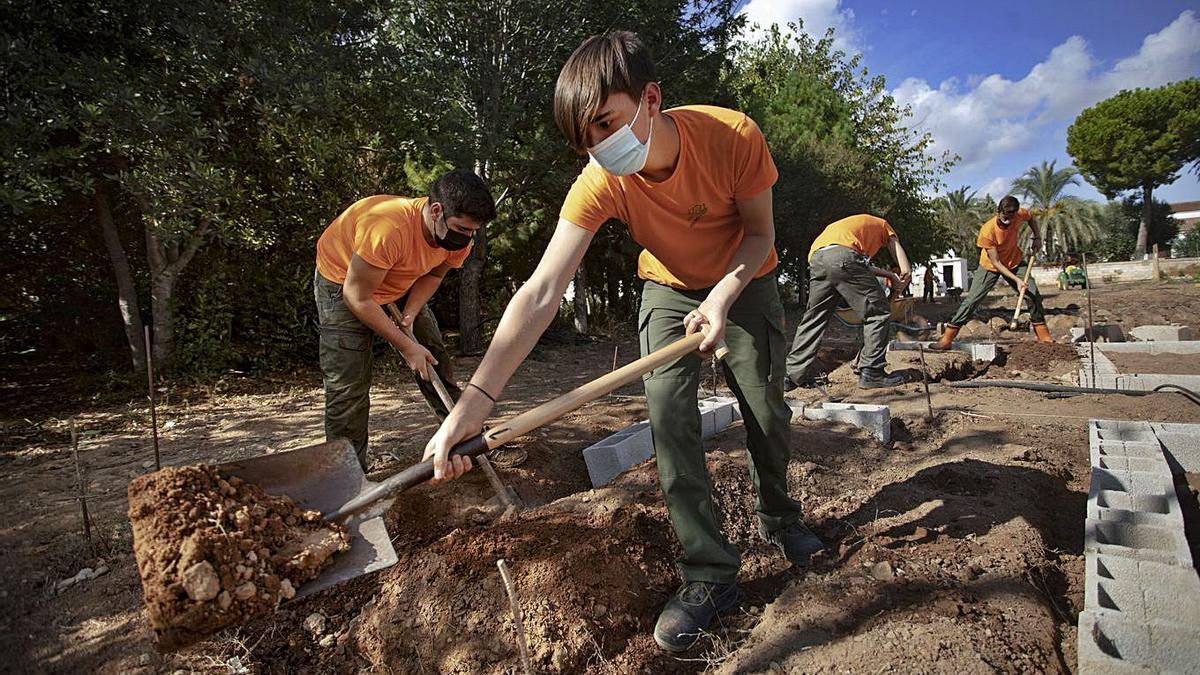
(380, 250)
(693, 185)
(1000, 257)
(839, 264)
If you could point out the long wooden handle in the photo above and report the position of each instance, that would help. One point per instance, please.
(528, 421)
(1021, 294)
(434, 378)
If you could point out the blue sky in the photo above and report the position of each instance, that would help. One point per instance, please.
(999, 83)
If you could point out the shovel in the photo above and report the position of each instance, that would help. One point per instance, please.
(328, 478)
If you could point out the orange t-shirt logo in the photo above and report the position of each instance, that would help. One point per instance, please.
(696, 213)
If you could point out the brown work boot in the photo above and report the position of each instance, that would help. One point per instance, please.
(947, 338)
(1043, 333)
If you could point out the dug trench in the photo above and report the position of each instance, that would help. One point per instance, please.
(953, 552)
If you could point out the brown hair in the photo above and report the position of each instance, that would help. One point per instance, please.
(1008, 205)
(603, 65)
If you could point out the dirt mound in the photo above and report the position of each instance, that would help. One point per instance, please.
(1040, 356)
(214, 552)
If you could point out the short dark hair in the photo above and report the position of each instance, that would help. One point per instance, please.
(603, 65)
(1008, 204)
(462, 193)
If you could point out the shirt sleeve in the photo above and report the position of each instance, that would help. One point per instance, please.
(753, 166)
(377, 241)
(457, 258)
(888, 231)
(986, 239)
(590, 201)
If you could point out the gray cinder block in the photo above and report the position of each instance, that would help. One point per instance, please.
(1142, 590)
(1162, 333)
(1109, 644)
(875, 419)
(1141, 541)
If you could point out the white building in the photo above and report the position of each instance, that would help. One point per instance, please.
(949, 271)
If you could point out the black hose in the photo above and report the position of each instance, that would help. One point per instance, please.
(1061, 388)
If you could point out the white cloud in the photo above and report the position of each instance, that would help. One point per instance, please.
(993, 115)
(818, 16)
(996, 187)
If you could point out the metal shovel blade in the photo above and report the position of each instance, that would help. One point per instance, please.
(323, 478)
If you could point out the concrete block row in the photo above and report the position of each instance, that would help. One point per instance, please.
(1110, 644)
(1161, 333)
(1158, 347)
(1137, 381)
(1141, 591)
(979, 351)
(875, 419)
(634, 444)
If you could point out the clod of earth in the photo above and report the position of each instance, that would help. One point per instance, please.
(215, 551)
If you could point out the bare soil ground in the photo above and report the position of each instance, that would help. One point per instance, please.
(956, 549)
(1168, 364)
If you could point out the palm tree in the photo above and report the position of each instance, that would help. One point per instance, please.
(1067, 222)
(961, 213)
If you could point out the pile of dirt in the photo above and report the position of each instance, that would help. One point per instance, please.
(214, 552)
(1166, 364)
(1041, 357)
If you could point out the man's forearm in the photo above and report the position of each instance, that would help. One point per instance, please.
(747, 260)
(420, 293)
(377, 320)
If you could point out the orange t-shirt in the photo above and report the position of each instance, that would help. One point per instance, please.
(387, 232)
(688, 224)
(1006, 241)
(863, 233)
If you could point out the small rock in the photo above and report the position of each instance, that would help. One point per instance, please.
(245, 591)
(599, 611)
(315, 623)
(200, 582)
(286, 589)
(224, 600)
(326, 641)
(148, 464)
(882, 571)
(144, 660)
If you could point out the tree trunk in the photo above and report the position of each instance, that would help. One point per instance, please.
(581, 304)
(1143, 239)
(167, 261)
(127, 301)
(469, 318)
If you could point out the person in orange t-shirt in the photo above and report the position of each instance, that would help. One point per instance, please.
(380, 250)
(839, 265)
(1000, 258)
(693, 186)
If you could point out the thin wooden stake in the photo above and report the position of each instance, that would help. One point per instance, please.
(925, 379)
(494, 479)
(1087, 285)
(150, 388)
(83, 507)
(516, 611)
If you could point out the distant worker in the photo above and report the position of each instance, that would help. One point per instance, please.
(1000, 257)
(927, 296)
(380, 250)
(839, 264)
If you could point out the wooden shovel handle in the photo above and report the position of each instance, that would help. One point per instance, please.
(522, 424)
(434, 378)
(1021, 294)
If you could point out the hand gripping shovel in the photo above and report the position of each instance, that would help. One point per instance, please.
(328, 478)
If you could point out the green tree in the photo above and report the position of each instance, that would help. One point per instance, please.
(1068, 223)
(1120, 220)
(1139, 139)
(841, 143)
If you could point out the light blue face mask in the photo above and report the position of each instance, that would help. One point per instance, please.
(622, 153)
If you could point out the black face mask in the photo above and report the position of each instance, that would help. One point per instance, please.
(453, 240)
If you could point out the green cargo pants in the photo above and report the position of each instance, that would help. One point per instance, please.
(841, 271)
(754, 371)
(983, 281)
(347, 355)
